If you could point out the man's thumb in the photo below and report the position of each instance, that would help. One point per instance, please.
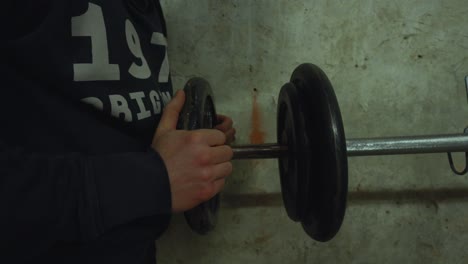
(171, 112)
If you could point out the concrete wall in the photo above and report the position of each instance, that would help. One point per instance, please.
(397, 68)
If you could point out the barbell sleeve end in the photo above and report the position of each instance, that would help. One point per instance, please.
(407, 145)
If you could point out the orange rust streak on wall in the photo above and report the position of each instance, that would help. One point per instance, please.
(257, 136)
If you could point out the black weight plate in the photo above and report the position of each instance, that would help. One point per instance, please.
(199, 112)
(328, 171)
(293, 167)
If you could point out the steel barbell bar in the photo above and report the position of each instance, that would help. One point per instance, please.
(369, 146)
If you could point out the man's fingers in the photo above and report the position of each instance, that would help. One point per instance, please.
(171, 112)
(224, 123)
(222, 170)
(220, 154)
(218, 184)
(230, 135)
(210, 136)
(212, 188)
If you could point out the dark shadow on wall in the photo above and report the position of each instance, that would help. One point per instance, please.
(355, 197)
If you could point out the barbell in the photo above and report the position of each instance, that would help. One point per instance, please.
(311, 149)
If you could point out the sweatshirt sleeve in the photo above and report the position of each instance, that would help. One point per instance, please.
(45, 199)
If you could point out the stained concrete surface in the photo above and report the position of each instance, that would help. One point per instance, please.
(397, 67)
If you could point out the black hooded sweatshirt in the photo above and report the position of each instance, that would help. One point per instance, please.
(83, 85)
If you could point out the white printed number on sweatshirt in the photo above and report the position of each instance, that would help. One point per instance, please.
(91, 24)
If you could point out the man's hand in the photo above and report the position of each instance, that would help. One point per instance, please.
(197, 161)
(225, 125)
